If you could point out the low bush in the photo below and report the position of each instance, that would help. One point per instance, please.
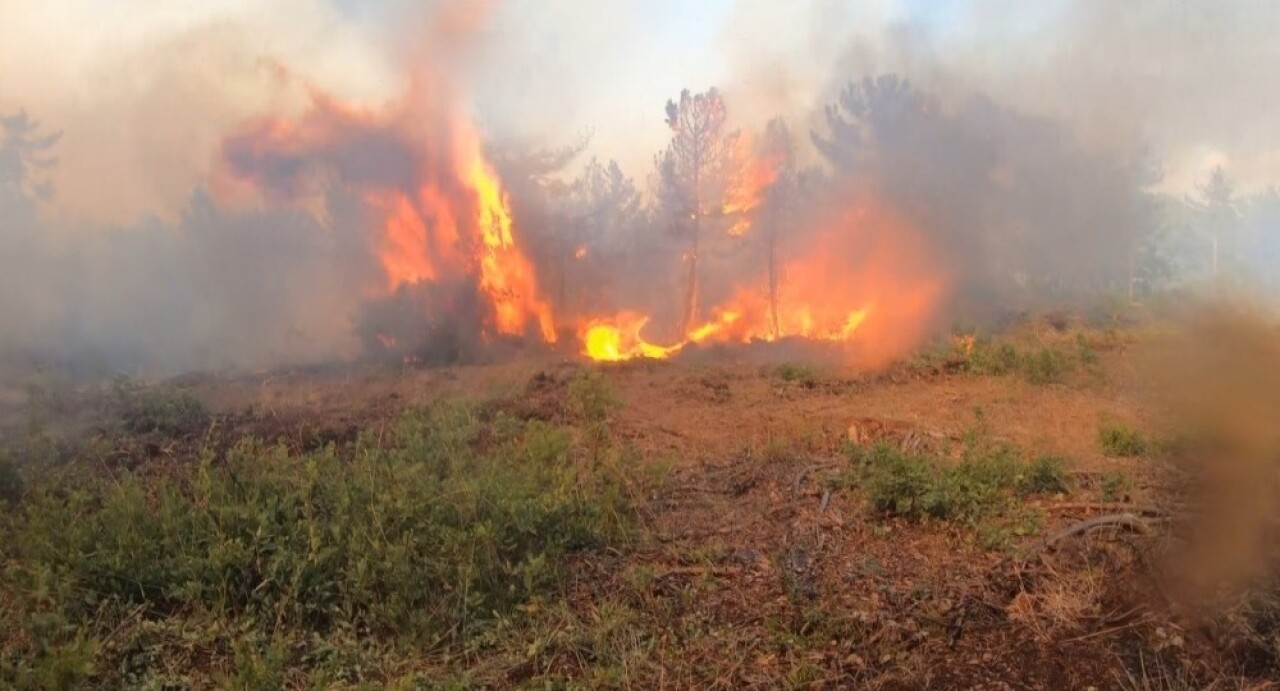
(427, 538)
(165, 410)
(984, 482)
(1044, 475)
(1121, 441)
(797, 374)
(1045, 366)
(991, 358)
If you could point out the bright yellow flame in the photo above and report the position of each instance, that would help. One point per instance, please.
(617, 340)
(506, 275)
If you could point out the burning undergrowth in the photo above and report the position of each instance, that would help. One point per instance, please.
(400, 232)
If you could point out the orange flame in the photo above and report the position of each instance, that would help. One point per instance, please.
(869, 280)
(506, 274)
(444, 213)
(748, 186)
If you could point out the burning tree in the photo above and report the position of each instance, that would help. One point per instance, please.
(691, 174)
(778, 150)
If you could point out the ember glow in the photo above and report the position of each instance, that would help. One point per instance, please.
(445, 215)
(506, 275)
(868, 281)
(753, 177)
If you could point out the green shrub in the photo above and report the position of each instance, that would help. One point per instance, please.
(591, 396)
(10, 481)
(917, 487)
(427, 537)
(797, 374)
(1044, 475)
(1116, 486)
(989, 358)
(170, 411)
(1044, 366)
(1085, 351)
(1120, 441)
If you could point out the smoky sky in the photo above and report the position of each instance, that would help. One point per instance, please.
(148, 248)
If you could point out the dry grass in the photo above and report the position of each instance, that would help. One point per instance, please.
(757, 560)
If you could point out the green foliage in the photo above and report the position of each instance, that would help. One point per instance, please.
(1045, 475)
(1116, 486)
(428, 538)
(918, 487)
(1045, 366)
(1085, 351)
(165, 410)
(11, 485)
(792, 373)
(989, 358)
(1121, 441)
(591, 396)
(982, 490)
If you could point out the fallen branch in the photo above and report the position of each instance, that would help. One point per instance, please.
(698, 534)
(1113, 507)
(717, 571)
(1129, 521)
(795, 487)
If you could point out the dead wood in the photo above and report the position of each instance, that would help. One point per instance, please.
(1128, 521)
(1112, 507)
(717, 571)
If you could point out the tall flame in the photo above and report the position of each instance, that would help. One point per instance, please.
(506, 275)
(868, 278)
(747, 187)
(444, 213)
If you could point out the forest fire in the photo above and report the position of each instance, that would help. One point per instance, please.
(868, 279)
(445, 214)
(752, 179)
(506, 275)
(617, 339)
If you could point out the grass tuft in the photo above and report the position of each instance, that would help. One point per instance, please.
(1121, 441)
(792, 373)
(263, 560)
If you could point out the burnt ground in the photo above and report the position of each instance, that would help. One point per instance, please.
(759, 567)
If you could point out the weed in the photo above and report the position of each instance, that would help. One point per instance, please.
(10, 481)
(591, 396)
(989, 358)
(165, 410)
(1121, 441)
(1116, 486)
(981, 491)
(777, 450)
(802, 375)
(1044, 366)
(426, 537)
(1044, 475)
(916, 487)
(1085, 351)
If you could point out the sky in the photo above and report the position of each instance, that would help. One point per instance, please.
(144, 90)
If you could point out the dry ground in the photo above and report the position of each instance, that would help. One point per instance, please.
(759, 567)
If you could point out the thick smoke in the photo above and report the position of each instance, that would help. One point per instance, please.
(943, 163)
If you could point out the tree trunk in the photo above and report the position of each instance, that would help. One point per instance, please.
(691, 281)
(773, 273)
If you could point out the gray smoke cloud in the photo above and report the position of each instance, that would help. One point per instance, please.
(1029, 146)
